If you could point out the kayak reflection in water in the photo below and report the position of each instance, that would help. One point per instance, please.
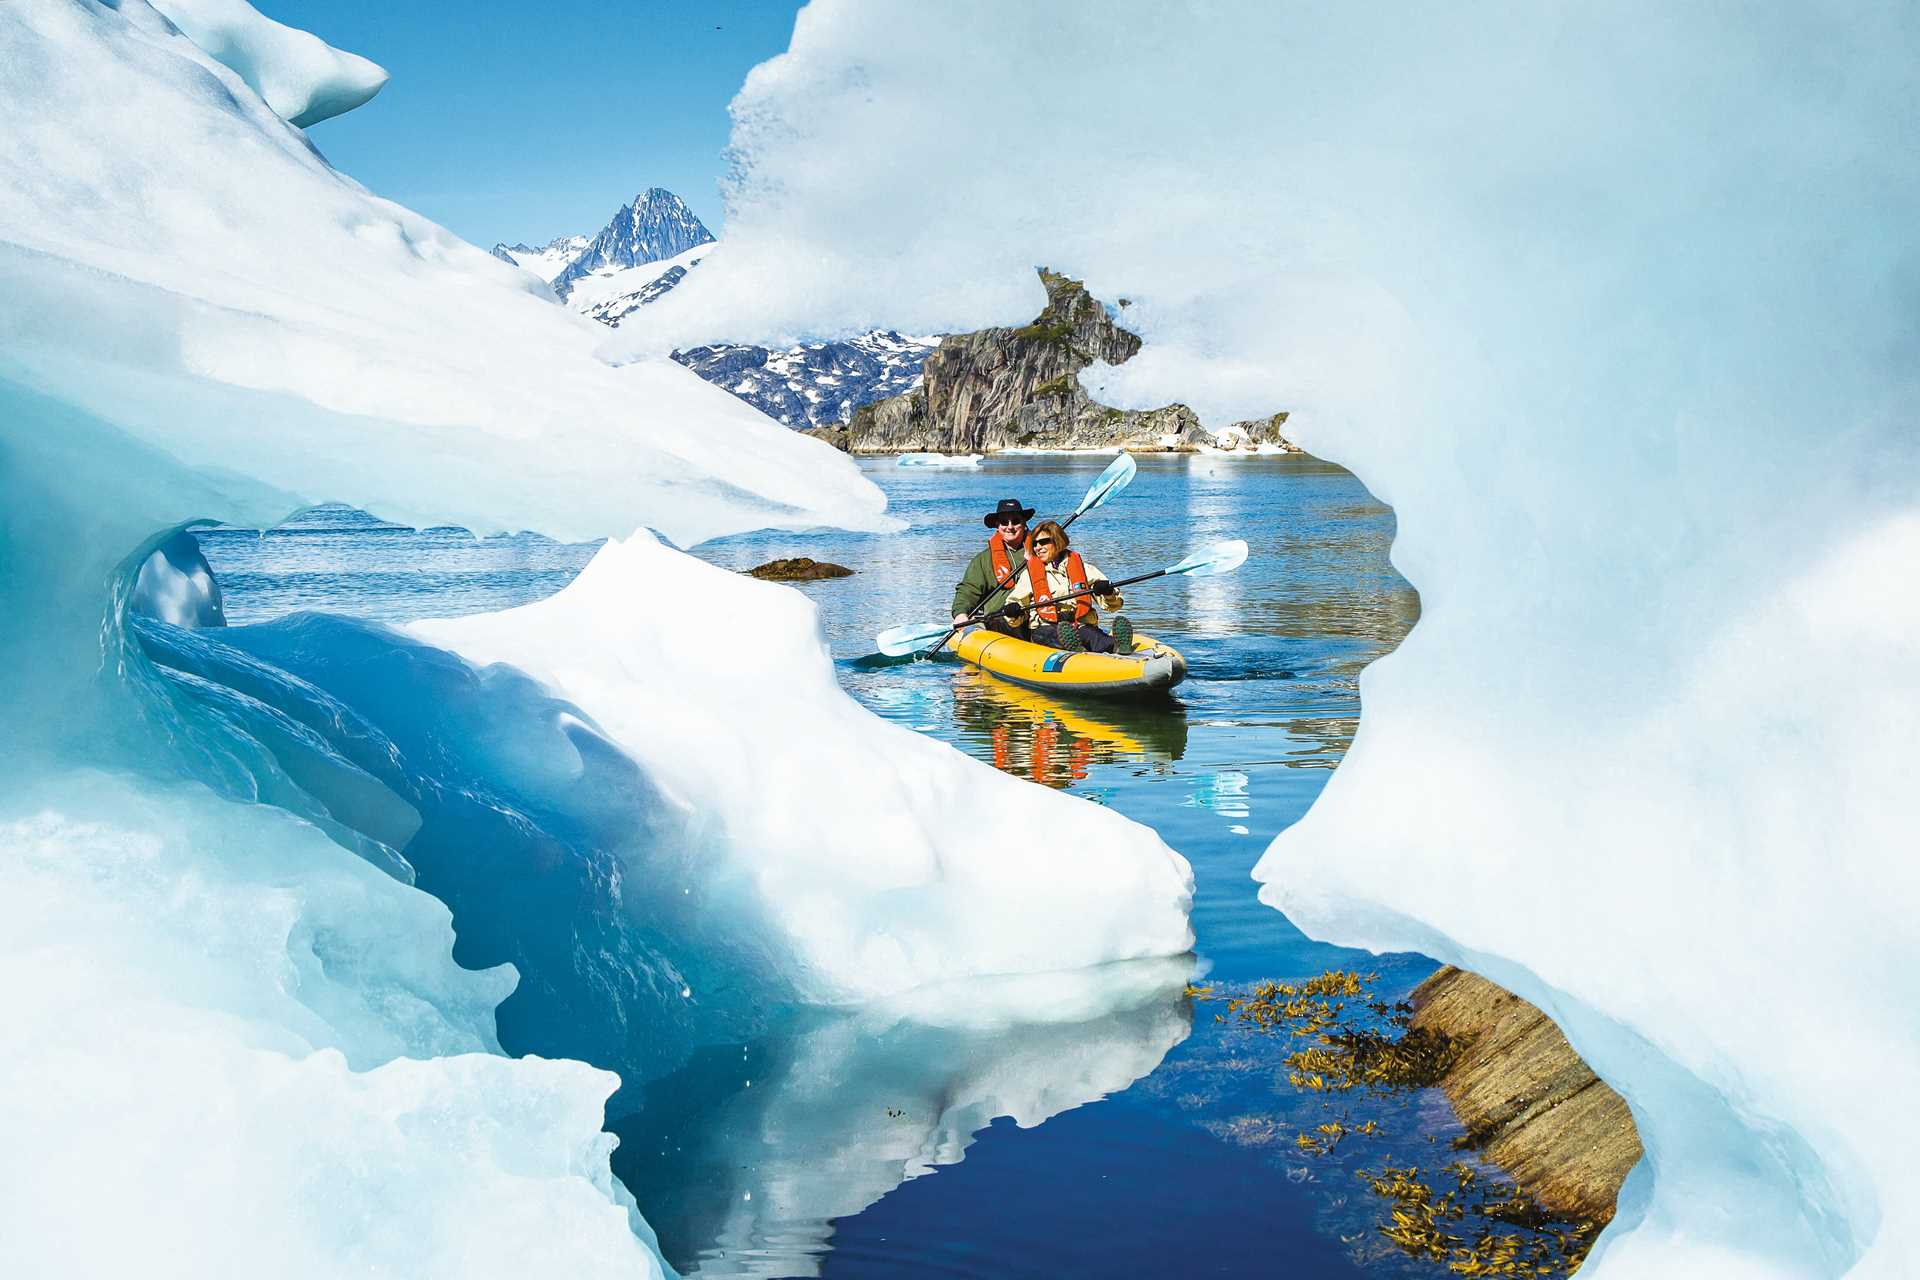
(1056, 743)
(1054, 569)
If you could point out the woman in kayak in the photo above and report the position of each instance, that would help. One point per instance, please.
(1054, 569)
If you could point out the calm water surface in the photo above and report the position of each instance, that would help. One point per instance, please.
(1190, 1169)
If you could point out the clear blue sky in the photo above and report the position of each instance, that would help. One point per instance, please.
(511, 120)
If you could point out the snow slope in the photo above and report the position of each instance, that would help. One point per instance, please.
(1614, 305)
(609, 294)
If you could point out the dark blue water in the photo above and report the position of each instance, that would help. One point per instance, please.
(1151, 1137)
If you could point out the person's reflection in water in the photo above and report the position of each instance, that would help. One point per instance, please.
(1056, 744)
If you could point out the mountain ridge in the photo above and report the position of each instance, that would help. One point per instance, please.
(658, 225)
(547, 260)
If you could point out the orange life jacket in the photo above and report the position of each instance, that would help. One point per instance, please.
(1076, 579)
(1003, 570)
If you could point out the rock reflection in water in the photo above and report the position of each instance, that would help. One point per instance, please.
(745, 1156)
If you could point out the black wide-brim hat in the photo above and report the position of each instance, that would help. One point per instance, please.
(1007, 507)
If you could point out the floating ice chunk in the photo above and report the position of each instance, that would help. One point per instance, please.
(878, 859)
(302, 77)
(940, 460)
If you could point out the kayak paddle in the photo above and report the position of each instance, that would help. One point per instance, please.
(897, 642)
(1118, 475)
(1221, 557)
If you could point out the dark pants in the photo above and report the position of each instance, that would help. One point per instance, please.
(998, 622)
(1092, 638)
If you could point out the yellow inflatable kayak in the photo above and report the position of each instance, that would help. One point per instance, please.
(1152, 667)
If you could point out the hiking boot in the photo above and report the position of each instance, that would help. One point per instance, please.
(1068, 634)
(1122, 631)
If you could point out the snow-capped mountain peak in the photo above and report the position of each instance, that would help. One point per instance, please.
(658, 225)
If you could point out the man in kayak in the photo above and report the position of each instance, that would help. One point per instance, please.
(982, 591)
(1054, 569)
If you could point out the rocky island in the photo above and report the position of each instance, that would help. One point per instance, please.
(1019, 388)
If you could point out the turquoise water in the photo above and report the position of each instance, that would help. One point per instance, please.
(1188, 1170)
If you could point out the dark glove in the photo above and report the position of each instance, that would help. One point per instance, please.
(1100, 587)
(1012, 612)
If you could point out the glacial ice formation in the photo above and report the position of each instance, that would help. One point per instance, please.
(877, 859)
(254, 1045)
(176, 585)
(302, 77)
(1614, 304)
(252, 1049)
(645, 945)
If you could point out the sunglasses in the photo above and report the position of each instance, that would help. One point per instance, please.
(1004, 521)
(1043, 542)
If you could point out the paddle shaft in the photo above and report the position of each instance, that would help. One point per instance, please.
(1116, 585)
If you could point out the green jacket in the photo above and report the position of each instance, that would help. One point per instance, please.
(976, 586)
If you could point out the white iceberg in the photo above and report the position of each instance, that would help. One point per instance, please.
(878, 859)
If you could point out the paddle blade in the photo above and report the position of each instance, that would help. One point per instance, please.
(898, 642)
(1221, 557)
(1118, 475)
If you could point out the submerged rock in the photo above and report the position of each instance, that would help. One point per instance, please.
(1530, 1103)
(798, 569)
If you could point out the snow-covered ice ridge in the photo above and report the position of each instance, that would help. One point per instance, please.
(231, 1016)
(814, 384)
(612, 294)
(1572, 287)
(298, 74)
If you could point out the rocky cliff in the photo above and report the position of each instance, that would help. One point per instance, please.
(1527, 1100)
(1019, 388)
